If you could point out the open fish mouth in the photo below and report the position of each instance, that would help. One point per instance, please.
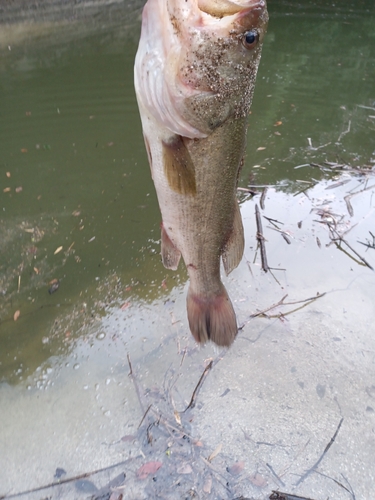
(222, 8)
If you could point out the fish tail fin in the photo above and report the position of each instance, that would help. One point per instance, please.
(212, 317)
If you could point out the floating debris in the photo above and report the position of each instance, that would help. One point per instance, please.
(54, 286)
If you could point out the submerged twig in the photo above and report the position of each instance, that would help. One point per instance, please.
(342, 240)
(335, 481)
(284, 234)
(131, 375)
(69, 479)
(275, 475)
(308, 472)
(368, 244)
(349, 196)
(345, 131)
(144, 416)
(261, 240)
(248, 190)
(338, 184)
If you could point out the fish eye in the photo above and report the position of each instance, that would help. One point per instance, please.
(250, 39)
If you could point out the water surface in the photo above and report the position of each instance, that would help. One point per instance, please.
(78, 209)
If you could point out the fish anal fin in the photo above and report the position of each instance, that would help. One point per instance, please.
(170, 255)
(178, 166)
(234, 247)
(212, 318)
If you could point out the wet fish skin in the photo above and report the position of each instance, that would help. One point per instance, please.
(194, 80)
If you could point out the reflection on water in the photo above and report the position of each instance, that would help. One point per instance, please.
(78, 206)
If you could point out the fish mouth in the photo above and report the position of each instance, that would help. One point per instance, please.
(223, 8)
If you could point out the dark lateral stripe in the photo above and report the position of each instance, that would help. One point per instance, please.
(178, 166)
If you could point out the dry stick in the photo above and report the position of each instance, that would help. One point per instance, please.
(273, 221)
(340, 238)
(247, 190)
(198, 386)
(281, 495)
(68, 480)
(261, 240)
(312, 469)
(282, 303)
(347, 198)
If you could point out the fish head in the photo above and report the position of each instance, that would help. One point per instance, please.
(197, 61)
(220, 52)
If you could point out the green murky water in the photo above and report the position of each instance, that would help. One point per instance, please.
(78, 207)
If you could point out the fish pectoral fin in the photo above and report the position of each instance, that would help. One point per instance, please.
(170, 255)
(234, 247)
(212, 318)
(178, 166)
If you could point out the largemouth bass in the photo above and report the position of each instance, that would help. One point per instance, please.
(195, 73)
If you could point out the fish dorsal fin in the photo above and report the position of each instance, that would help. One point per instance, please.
(170, 255)
(234, 247)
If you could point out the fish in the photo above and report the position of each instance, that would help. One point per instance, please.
(194, 78)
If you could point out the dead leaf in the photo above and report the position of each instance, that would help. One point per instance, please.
(124, 306)
(55, 285)
(216, 451)
(7, 174)
(177, 417)
(261, 148)
(76, 213)
(23, 150)
(57, 250)
(236, 468)
(16, 315)
(258, 480)
(277, 133)
(127, 438)
(277, 124)
(18, 189)
(28, 113)
(6, 190)
(184, 469)
(115, 495)
(147, 469)
(207, 484)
